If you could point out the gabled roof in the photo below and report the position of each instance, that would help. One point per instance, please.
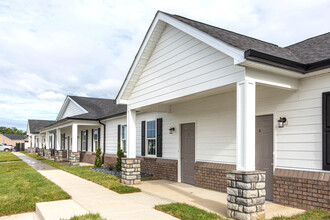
(34, 125)
(15, 136)
(304, 57)
(97, 108)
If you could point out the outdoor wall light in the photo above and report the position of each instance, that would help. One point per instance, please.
(281, 122)
(171, 130)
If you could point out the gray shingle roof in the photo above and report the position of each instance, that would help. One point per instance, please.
(15, 136)
(35, 125)
(308, 51)
(97, 108)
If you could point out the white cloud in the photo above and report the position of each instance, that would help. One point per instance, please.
(50, 49)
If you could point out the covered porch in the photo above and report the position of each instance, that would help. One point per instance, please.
(72, 141)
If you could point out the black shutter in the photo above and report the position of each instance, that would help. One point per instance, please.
(86, 140)
(92, 140)
(143, 138)
(159, 137)
(81, 139)
(326, 130)
(99, 137)
(118, 135)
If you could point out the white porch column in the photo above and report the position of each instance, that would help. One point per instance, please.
(47, 140)
(245, 129)
(131, 133)
(40, 141)
(58, 139)
(74, 138)
(33, 141)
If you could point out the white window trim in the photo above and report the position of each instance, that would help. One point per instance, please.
(122, 139)
(155, 138)
(82, 142)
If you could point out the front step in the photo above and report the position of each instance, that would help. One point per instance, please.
(62, 209)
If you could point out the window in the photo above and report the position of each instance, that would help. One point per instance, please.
(151, 137)
(124, 138)
(96, 139)
(84, 141)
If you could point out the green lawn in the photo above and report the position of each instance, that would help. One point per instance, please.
(312, 214)
(89, 216)
(21, 187)
(34, 156)
(8, 156)
(187, 212)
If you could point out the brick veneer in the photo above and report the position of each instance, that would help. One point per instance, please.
(163, 168)
(89, 157)
(301, 189)
(212, 175)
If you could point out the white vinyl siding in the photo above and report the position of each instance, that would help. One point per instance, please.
(299, 144)
(181, 65)
(71, 110)
(111, 133)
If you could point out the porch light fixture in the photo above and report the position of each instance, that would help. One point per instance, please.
(281, 122)
(171, 130)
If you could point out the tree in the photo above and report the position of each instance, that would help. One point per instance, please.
(12, 130)
(120, 154)
(98, 160)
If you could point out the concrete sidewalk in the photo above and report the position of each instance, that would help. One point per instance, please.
(97, 199)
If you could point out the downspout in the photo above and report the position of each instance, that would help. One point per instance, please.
(104, 135)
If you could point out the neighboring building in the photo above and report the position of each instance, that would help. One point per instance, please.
(32, 131)
(210, 100)
(13, 139)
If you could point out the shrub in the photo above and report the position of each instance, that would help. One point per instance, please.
(120, 154)
(98, 160)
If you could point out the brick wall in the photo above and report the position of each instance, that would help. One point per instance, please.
(89, 157)
(163, 168)
(212, 175)
(302, 189)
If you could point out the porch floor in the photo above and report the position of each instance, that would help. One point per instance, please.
(206, 199)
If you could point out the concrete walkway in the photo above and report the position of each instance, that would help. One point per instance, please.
(97, 199)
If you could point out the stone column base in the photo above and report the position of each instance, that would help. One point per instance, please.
(131, 171)
(48, 154)
(40, 152)
(58, 155)
(246, 194)
(74, 158)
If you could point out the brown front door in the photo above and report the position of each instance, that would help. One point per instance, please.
(264, 150)
(187, 152)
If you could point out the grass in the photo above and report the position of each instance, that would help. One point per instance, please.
(187, 212)
(34, 156)
(21, 187)
(8, 156)
(89, 216)
(312, 214)
(109, 181)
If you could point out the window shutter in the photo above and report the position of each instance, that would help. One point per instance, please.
(81, 140)
(143, 138)
(326, 130)
(86, 140)
(92, 140)
(159, 137)
(64, 142)
(118, 134)
(99, 137)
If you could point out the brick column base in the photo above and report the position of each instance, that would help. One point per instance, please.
(74, 158)
(131, 171)
(41, 152)
(58, 155)
(48, 154)
(246, 194)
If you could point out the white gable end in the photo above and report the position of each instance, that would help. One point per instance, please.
(70, 108)
(181, 65)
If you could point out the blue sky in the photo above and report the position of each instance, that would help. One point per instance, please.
(50, 49)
